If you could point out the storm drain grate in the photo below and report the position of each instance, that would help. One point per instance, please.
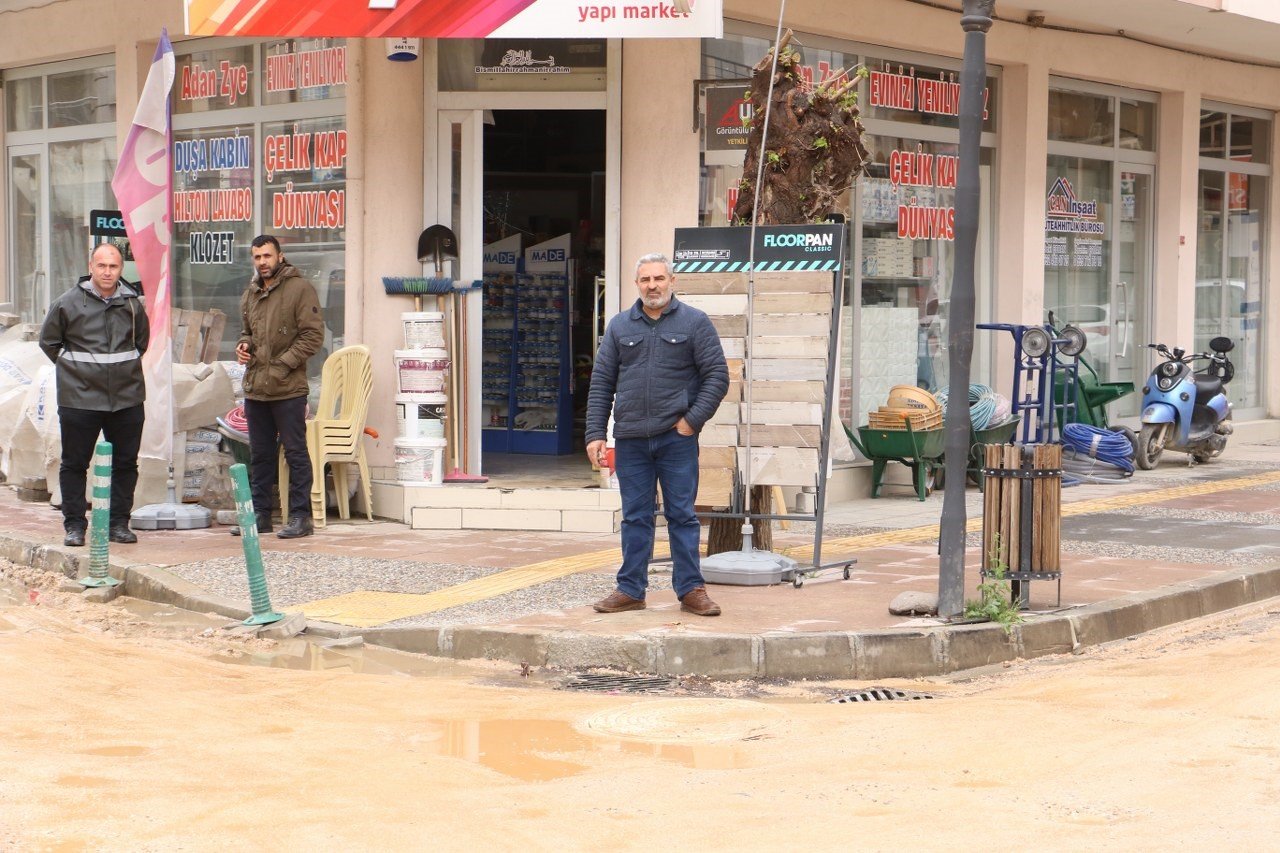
(881, 694)
(610, 683)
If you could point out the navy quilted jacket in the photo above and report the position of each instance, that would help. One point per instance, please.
(651, 374)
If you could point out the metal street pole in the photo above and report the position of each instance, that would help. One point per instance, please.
(975, 22)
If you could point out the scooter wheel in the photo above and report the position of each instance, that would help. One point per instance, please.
(1150, 445)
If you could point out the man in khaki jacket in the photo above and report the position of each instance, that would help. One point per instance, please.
(282, 328)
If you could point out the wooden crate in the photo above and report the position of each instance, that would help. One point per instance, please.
(197, 335)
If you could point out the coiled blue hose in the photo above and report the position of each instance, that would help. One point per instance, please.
(1092, 445)
(983, 402)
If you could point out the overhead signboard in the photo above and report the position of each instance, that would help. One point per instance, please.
(453, 19)
(784, 248)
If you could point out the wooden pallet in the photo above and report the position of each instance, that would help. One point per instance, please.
(197, 335)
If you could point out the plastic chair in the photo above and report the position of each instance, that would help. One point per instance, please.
(333, 436)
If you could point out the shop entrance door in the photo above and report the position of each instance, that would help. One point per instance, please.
(1098, 263)
(519, 179)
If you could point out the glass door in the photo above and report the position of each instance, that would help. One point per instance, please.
(1098, 263)
(28, 239)
(1131, 285)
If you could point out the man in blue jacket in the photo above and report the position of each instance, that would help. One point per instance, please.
(96, 334)
(661, 369)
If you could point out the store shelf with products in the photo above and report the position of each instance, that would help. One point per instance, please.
(525, 393)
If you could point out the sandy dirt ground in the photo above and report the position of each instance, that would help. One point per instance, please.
(118, 734)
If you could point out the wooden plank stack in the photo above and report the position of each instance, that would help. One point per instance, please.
(1003, 524)
(791, 329)
(197, 335)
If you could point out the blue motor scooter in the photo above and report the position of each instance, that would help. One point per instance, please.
(1183, 410)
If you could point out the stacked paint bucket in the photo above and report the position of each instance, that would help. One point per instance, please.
(422, 368)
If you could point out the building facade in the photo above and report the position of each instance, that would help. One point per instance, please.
(1126, 185)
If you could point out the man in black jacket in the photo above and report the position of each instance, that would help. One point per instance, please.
(661, 369)
(95, 334)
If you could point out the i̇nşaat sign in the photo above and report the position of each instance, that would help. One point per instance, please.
(454, 19)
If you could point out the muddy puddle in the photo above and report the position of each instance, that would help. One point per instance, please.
(702, 733)
(542, 750)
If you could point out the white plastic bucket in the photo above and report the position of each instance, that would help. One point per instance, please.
(421, 372)
(420, 461)
(420, 416)
(423, 329)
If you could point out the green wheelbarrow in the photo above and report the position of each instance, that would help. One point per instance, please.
(921, 451)
(995, 434)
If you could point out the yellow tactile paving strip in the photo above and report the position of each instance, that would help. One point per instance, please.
(366, 609)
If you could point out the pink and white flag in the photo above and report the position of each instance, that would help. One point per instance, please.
(143, 185)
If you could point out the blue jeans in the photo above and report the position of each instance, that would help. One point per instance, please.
(672, 460)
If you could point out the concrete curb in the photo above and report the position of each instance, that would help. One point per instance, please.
(862, 655)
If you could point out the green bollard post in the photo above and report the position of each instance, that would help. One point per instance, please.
(100, 520)
(262, 612)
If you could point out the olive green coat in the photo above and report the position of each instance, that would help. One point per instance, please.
(283, 327)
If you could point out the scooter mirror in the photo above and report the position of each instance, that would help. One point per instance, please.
(1073, 341)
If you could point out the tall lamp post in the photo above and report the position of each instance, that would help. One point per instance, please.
(975, 22)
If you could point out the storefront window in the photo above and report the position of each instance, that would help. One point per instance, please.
(298, 70)
(82, 97)
(902, 208)
(522, 65)
(1231, 222)
(1081, 117)
(281, 171)
(1137, 125)
(79, 181)
(60, 145)
(913, 94)
(24, 104)
(304, 203)
(207, 80)
(213, 219)
(1099, 225)
(907, 216)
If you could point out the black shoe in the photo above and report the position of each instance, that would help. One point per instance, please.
(299, 525)
(120, 533)
(74, 538)
(264, 526)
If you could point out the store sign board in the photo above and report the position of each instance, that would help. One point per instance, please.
(503, 255)
(928, 95)
(1073, 231)
(728, 118)
(549, 256)
(106, 223)
(451, 19)
(778, 247)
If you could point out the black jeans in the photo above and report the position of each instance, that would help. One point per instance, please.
(272, 423)
(80, 428)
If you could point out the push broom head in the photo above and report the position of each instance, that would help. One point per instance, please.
(417, 286)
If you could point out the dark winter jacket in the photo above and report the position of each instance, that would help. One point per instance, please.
(652, 373)
(97, 345)
(283, 327)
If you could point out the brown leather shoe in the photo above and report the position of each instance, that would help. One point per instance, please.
(697, 602)
(618, 601)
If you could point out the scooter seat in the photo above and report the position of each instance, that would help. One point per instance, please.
(1207, 387)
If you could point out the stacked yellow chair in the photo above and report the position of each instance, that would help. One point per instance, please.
(334, 434)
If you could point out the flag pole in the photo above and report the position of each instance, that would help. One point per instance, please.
(146, 204)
